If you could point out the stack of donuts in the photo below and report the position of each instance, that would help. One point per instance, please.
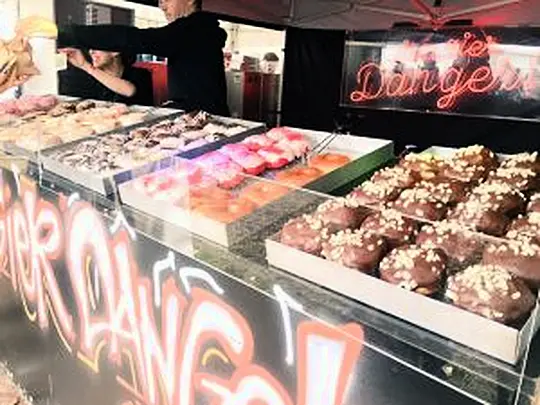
(463, 229)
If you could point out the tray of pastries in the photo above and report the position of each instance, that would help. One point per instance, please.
(439, 240)
(68, 121)
(241, 189)
(100, 163)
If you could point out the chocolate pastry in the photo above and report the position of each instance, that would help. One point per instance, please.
(521, 257)
(420, 203)
(480, 217)
(527, 227)
(394, 227)
(415, 268)
(491, 292)
(461, 171)
(356, 249)
(476, 155)
(305, 233)
(534, 204)
(460, 244)
(425, 165)
(376, 194)
(523, 161)
(519, 178)
(499, 197)
(401, 176)
(341, 214)
(447, 191)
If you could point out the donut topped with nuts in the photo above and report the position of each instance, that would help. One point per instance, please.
(341, 214)
(522, 179)
(456, 241)
(525, 227)
(499, 197)
(492, 292)
(465, 173)
(401, 176)
(419, 202)
(356, 249)
(482, 217)
(475, 155)
(447, 191)
(415, 268)
(376, 194)
(306, 233)
(393, 226)
(521, 257)
(426, 166)
(523, 161)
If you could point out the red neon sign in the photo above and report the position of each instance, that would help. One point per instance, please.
(375, 82)
(118, 316)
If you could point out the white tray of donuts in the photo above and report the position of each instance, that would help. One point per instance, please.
(404, 243)
(219, 195)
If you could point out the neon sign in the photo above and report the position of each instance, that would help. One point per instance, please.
(416, 73)
(162, 350)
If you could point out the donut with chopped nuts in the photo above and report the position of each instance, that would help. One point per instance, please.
(525, 227)
(476, 155)
(499, 197)
(418, 202)
(521, 257)
(534, 203)
(518, 178)
(523, 161)
(492, 292)
(447, 191)
(341, 214)
(416, 268)
(305, 233)
(480, 217)
(426, 166)
(401, 176)
(376, 194)
(459, 244)
(393, 226)
(356, 249)
(468, 174)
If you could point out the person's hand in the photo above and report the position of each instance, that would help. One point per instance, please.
(76, 58)
(35, 26)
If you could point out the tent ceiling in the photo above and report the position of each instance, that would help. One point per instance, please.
(378, 14)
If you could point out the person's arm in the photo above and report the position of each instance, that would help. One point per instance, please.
(113, 83)
(162, 41)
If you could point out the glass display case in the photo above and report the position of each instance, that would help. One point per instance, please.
(150, 291)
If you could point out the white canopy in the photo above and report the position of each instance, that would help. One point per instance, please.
(379, 14)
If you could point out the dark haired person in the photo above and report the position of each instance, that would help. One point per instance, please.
(108, 76)
(192, 42)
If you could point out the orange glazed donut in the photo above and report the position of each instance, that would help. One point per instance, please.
(226, 211)
(299, 176)
(263, 192)
(328, 162)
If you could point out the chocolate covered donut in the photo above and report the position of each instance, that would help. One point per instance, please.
(521, 179)
(356, 249)
(481, 217)
(305, 233)
(525, 227)
(376, 194)
(520, 257)
(341, 214)
(491, 292)
(401, 176)
(534, 203)
(416, 268)
(447, 191)
(523, 161)
(499, 197)
(462, 172)
(460, 244)
(418, 202)
(476, 155)
(394, 227)
(426, 166)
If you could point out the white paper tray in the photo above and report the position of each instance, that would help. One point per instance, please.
(106, 183)
(489, 337)
(367, 154)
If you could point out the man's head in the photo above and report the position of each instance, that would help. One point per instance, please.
(102, 59)
(174, 9)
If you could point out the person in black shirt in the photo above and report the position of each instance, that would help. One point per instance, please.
(192, 42)
(109, 77)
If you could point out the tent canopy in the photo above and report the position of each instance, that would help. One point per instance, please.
(379, 14)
